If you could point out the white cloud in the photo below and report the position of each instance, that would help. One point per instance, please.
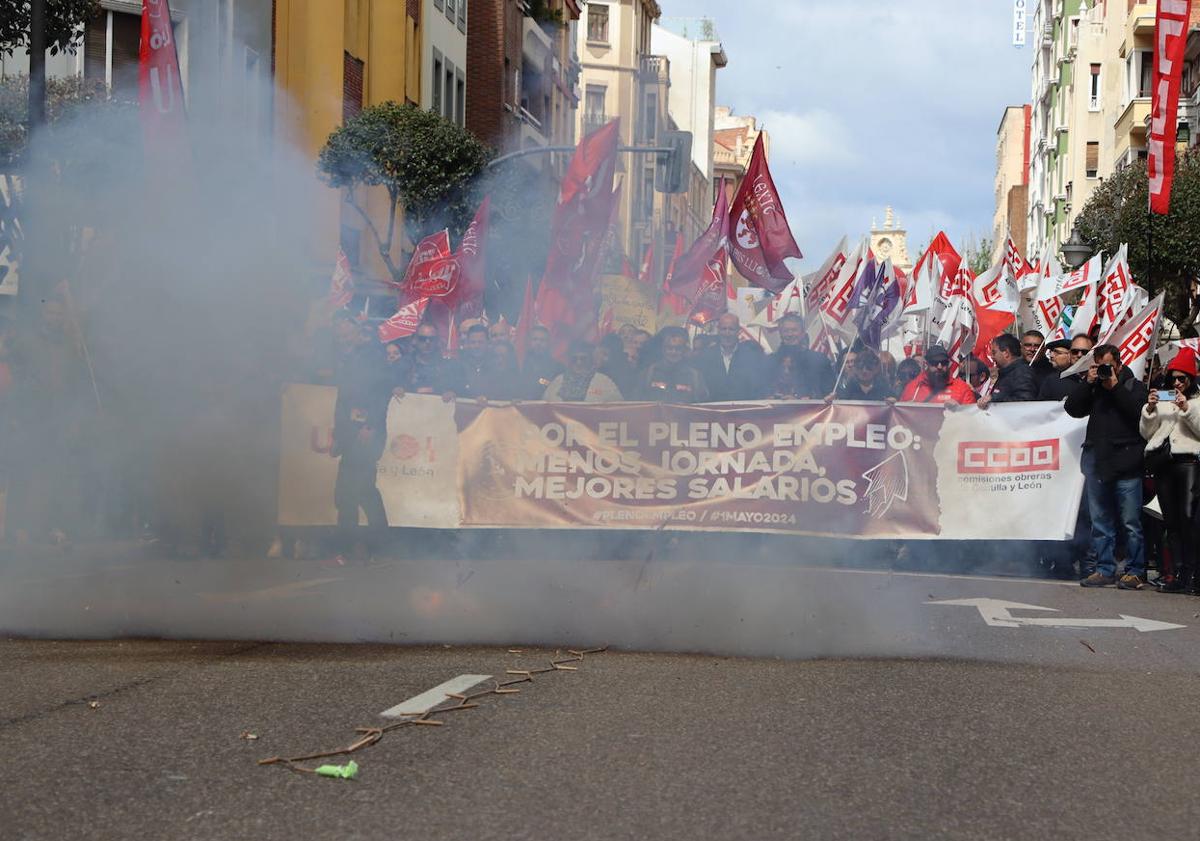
(813, 137)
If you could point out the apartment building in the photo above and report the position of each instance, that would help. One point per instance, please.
(1012, 180)
(444, 58)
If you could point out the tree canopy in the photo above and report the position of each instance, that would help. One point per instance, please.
(427, 165)
(1118, 212)
(64, 24)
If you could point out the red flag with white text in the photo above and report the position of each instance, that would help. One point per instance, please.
(467, 299)
(341, 284)
(690, 274)
(1170, 41)
(404, 323)
(761, 237)
(160, 88)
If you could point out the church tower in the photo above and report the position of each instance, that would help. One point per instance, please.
(891, 241)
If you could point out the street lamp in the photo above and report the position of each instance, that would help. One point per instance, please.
(1075, 251)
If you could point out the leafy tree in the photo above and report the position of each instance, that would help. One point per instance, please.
(1118, 212)
(65, 97)
(427, 165)
(977, 255)
(65, 20)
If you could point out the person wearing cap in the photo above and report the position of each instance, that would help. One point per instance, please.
(935, 385)
(1113, 463)
(1063, 354)
(1178, 480)
(1014, 376)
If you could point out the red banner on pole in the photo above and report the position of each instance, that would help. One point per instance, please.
(1170, 39)
(160, 90)
(761, 238)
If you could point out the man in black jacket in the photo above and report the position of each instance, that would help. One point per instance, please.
(1111, 398)
(1014, 379)
(732, 369)
(1063, 355)
(1033, 346)
(815, 374)
(672, 379)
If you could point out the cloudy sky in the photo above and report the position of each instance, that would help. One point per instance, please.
(873, 102)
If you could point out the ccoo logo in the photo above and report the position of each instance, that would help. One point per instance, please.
(1007, 456)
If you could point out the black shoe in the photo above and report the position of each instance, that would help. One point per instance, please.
(1169, 584)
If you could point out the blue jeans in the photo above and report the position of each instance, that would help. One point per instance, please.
(1113, 504)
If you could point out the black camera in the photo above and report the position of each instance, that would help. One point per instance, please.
(1104, 371)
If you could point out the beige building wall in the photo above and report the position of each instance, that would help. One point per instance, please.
(1011, 169)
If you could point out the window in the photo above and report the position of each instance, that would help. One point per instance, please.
(450, 6)
(597, 23)
(435, 103)
(593, 103)
(1140, 66)
(650, 116)
(110, 52)
(1092, 164)
(460, 98)
(448, 101)
(462, 16)
(437, 4)
(1094, 91)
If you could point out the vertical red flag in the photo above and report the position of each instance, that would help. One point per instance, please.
(341, 284)
(525, 322)
(691, 269)
(1170, 39)
(160, 89)
(467, 299)
(647, 265)
(761, 236)
(404, 323)
(676, 303)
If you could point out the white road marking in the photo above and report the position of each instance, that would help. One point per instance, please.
(429, 699)
(997, 613)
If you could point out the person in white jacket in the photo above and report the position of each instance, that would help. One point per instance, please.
(1177, 482)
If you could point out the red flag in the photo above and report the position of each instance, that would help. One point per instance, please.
(471, 259)
(1170, 39)
(1014, 260)
(647, 266)
(404, 323)
(525, 322)
(676, 303)
(691, 269)
(582, 213)
(160, 90)
(761, 236)
(341, 285)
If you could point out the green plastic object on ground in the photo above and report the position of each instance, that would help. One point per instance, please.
(346, 772)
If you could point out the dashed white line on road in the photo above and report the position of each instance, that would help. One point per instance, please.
(429, 699)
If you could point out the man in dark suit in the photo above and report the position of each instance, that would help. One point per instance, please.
(732, 369)
(815, 374)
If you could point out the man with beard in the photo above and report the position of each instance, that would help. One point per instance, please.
(935, 385)
(581, 382)
(815, 376)
(1014, 379)
(1063, 355)
(862, 379)
(473, 357)
(540, 366)
(671, 379)
(359, 427)
(1033, 344)
(426, 371)
(732, 369)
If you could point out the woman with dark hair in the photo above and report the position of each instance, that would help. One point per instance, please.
(788, 383)
(907, 371)
(1170, 423)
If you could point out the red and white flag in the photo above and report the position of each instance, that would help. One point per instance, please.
(1087, 314)
(958, 330)
(1053, 287)
(835, 308)
(341, 284)
(1136, 341)
(404, 323)
(1170, 41)
(428, 274)
(1115, 298)
(761, 238)
(675, 303)
(647, 266)
(692, 270)
(996, 302)
(1015, 263)
(467, 298)
(816, 286)
(160, 88)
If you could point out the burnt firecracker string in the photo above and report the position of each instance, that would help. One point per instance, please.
(465, 701)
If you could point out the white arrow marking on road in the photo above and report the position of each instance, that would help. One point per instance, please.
(429, 699)
(996, 613)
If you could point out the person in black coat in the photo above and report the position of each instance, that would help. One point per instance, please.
(813, 375)
(732, 369)
(1014, 379)
(1033, 347)
(1063, 355)
(540, 366)
(1111, 398)
(863, 378)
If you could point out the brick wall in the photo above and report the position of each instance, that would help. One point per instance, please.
(493, 34)
(1018, 210)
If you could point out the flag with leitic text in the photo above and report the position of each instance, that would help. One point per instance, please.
(1171, 23)
(760, 236)
(404, 323)
(160, 88)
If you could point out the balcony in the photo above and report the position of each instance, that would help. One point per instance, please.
(536, 46)
(655, 69)
(1130, 127)
(593, 121)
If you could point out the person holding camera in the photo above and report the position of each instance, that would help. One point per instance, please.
(1111, 398)
(1170, 424)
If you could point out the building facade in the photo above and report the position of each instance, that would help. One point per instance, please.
(891, 240)
(1012, 180)
(444, 58)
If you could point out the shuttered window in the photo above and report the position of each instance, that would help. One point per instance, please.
(1092, 163)
(126, 37)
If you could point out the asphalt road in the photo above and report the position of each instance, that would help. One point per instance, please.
(908, 720)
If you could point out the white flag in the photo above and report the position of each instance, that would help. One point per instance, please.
(1056, 286)
(1135, 341)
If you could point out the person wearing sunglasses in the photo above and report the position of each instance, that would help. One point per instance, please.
(1111, 398)
(1172, 418)
(1063, 354)
(935, 385)
(427, 371)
